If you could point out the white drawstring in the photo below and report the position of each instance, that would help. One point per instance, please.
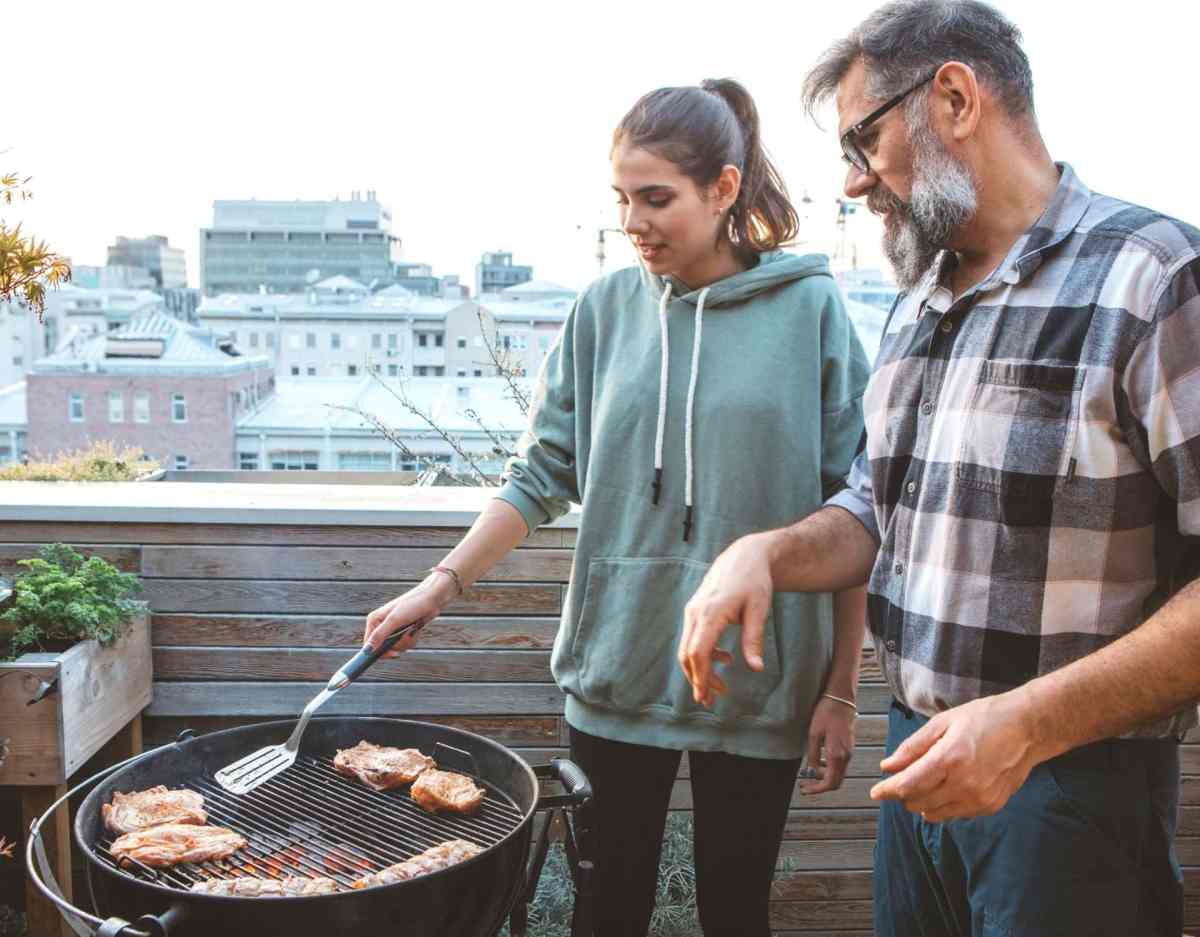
(691, 405)
(662, 391)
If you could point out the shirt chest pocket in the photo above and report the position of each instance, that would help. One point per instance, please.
(1020, 430)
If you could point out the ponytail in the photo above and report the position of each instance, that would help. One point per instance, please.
(702, 130)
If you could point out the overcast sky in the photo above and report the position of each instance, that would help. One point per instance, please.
(486, 126)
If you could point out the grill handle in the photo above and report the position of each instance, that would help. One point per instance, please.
(79, 920)
(357, 665)
(570, 776)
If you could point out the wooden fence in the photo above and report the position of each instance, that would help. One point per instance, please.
(250, 619)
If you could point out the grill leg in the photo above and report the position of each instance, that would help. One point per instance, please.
(579, 850)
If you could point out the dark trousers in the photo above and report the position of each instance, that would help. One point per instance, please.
(740, 804)
(1085, 848)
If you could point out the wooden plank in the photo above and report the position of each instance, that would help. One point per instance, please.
(1189, 823)
(797, 855)
(127, 559)
(821, 886)
(256, 595)
(219, 629)
(34, 732)
(283, 534)
(528, 731)
(299, 664)
(802, 915)
(348, 563)
(41, 916)
(102, 689)
(361, 699)
(831, 824)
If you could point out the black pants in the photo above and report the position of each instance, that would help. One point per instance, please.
(740, 804)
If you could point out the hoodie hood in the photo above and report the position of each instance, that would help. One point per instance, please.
(774, 268)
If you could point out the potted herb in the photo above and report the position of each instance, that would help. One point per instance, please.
(74, 663)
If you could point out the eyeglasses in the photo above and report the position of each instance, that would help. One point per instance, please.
(852, 151)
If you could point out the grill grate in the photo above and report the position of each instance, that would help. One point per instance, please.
(312, 822)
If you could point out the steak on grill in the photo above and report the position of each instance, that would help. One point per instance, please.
(172, 843)
(248, 887)
(444, 790)
(434, 859)
(381, 768)
(153, 807)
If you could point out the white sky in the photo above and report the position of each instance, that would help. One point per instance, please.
(486, 126)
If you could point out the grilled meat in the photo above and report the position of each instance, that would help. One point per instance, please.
(434, 859)
(381, 768)
(444, 790)
(172, 843)
(153, 807)
(247, 887)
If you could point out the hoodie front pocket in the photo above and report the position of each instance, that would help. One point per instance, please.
(628, 633)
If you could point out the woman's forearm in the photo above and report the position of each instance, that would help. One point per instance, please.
(498, 529)
(849, 630)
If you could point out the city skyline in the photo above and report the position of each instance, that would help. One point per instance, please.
(502, 118)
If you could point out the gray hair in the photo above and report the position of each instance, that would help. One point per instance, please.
(904, 41)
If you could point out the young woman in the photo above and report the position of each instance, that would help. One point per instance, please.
(712, 392)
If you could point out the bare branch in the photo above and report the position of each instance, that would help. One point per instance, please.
(503, 367)
(382, 428)
(499, 445)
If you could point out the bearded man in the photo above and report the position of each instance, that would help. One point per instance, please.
(1025, 508)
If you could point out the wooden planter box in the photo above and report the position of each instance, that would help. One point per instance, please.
(99, 690)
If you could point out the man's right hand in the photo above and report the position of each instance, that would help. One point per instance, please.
(737, 590)
(424, 601)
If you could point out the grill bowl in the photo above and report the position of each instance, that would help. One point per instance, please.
(472, 898)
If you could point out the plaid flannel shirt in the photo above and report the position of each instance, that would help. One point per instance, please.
(1032, 467)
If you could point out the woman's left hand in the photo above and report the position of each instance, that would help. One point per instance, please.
(830, 745)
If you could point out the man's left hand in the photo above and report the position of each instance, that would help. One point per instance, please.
(965, 762)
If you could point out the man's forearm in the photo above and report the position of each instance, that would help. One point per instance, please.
(1148, 674)
(826, 552)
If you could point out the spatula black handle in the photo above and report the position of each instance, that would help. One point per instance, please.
(357, 665)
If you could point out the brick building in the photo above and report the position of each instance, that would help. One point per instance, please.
(174, 389)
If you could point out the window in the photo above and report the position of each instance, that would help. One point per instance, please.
(178, 408)
(75, 408)
(393, 340)
(294, 340)
(464, 393)
(181, 463)
(253, 339)
(141, 407)
(462, 341)
(295, 370)
(310, 339)
(270, 339)
(18, 361)
(439, 372)
(377, 340)
(335, 342)
(365, 461)
(351, 342)
(393, 370)
(311, 370)
(352, 370)
(439, 339)
(461, 372)
(422, 340)
(233, 335)
(479, 372)
(421, 371)
(294, 460)
(116, 407)
(248, 461)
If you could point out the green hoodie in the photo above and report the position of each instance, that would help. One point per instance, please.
(775, 419)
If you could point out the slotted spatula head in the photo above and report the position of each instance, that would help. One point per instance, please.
(245, 774)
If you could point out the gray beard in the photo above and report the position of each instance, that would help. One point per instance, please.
(943, 199)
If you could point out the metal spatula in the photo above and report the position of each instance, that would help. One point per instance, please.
(245, 774)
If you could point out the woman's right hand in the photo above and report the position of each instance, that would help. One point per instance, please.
(423, 602)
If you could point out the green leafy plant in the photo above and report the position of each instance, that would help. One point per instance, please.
(63, 597)
(27, 265)
(100, 462)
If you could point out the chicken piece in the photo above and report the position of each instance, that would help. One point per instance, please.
(153, 807)
(434, 859)
(444, 790)
(289, 887)
(173, 843)
(382, 768)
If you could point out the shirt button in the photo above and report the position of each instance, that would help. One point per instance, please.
(927, 407)
(891, 646)
(910, 487)
(898, 569)
(947, 325)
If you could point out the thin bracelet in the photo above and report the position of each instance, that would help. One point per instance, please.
(451, 573)
(838, 699)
